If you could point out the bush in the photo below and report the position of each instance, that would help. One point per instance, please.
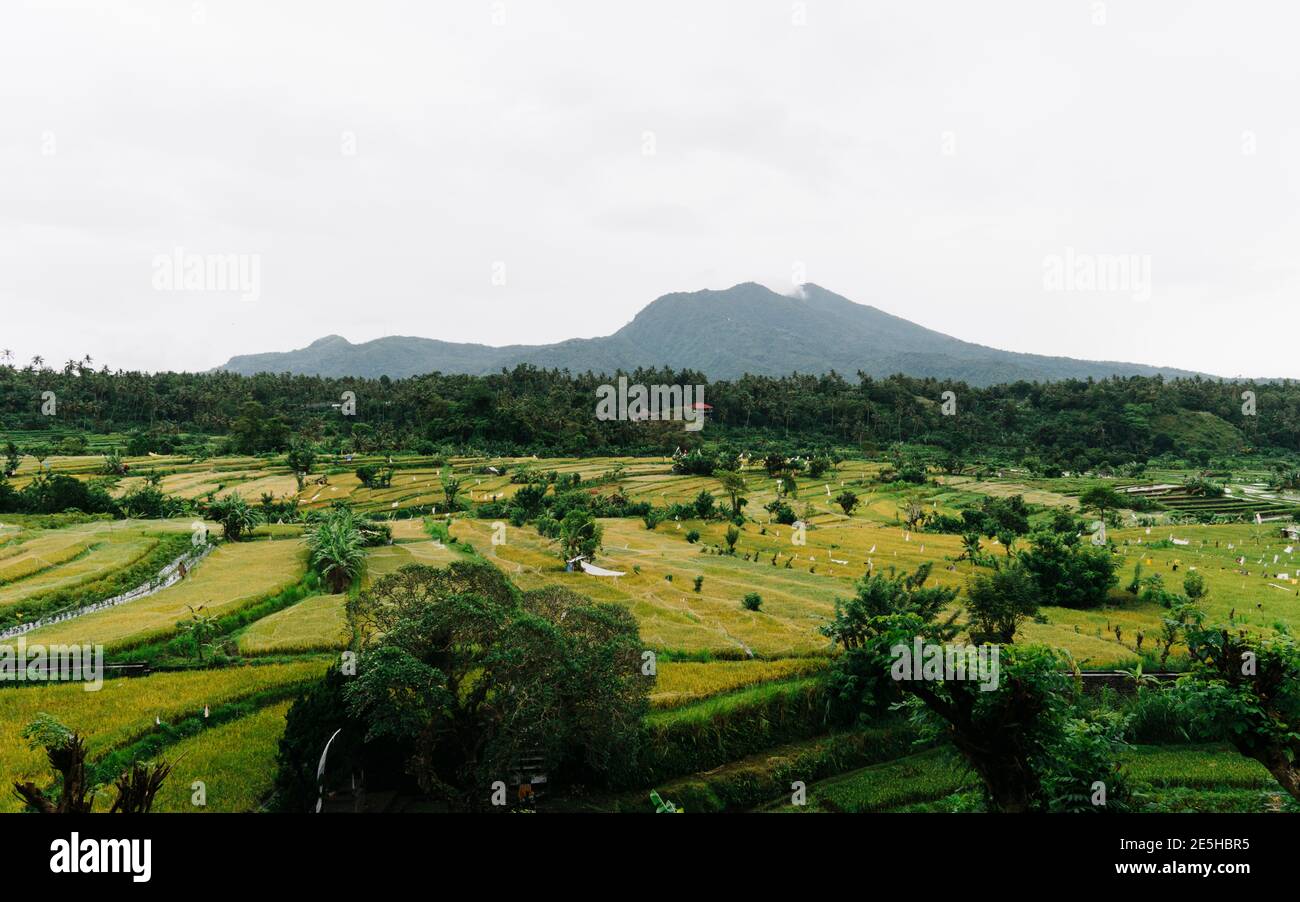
(693, 536)
(1068, 574)
(752, 601)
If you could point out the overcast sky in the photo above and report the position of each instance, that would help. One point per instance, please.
(525, 171)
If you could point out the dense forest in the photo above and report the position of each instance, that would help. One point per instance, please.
(1070, 424)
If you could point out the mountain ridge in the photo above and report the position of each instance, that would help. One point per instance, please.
(723, 333)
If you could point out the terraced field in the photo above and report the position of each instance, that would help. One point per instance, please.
(114, 552)
(716, 657)
(1197, 777)
(235, 763)
(313, 624)
(124, 710)
(231, 577)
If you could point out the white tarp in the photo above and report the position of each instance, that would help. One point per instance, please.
(593, 570)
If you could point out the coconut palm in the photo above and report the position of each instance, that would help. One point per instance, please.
(337, 549)
(235, 516)
(450, 487)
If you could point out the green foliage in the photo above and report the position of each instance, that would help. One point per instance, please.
(998, 602)
(1069, 574)
(752, 601)
(781, 512)
(733, 485)
(300, 459)
(235, 516)
(451, 486)
(580, 535)
(848, 501)
(1101, 498)
(1247, 688)
(732, 536)
(468, 674)
(1194, 586)
(1028, 737)
(336, 547)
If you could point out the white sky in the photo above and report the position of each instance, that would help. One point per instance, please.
(515, 132)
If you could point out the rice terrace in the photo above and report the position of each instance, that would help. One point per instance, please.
(698, 624)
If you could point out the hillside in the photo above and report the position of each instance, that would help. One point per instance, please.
(747, 328)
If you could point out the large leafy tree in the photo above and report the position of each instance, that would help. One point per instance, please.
(1102, 499)
(1246, 688)
(466, 674)
(998, 602)
(1068, 573)
(300, 459)
(733, 485)
(1028, 736)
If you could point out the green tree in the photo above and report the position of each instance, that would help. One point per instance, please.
(733, 486)
(580, 535)
(235, 515)
(451, 486)
(998, 602)
(848, 501)
(336, 548)
(1030, 737)
(300, 459)
(465, 675)
(732, 536)
(12, 457)
(1101, 498)
(1247, 688)
(200, 628)
(1070, 574)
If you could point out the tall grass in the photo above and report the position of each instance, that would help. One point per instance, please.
(123, 710)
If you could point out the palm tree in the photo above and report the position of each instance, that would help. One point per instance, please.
(450, 487)
(235, 516)
(336, 548)
(6, 354)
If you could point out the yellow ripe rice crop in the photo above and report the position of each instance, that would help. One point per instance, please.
(124, 709)
(682, 682)
(235, 763)
(118, 552)
(317, 623)
(231, 577)
(32, 562)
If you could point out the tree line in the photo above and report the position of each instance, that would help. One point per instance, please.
(1071, 424)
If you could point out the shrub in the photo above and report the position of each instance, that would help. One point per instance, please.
(752, 601)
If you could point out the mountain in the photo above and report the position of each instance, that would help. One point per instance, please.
(743, 329)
